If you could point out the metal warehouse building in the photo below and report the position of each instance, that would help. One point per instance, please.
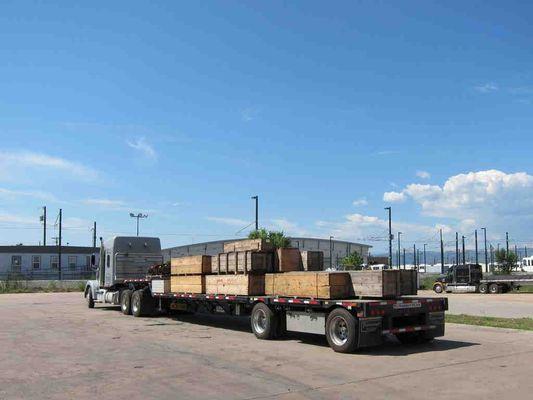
(334, 250)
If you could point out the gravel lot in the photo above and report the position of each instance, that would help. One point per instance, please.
(54, 347)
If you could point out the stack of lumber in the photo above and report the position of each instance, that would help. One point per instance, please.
(312, 260)
(248, 244)
(188, 273)
(319, 285)
(287, 260)
(244, 285)
(246, 261)
(384, 283)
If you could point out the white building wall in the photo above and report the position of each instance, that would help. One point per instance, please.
(26, 265)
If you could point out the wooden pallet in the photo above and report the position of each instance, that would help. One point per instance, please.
(190, 265)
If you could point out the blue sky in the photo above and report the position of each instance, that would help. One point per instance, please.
(329, 112)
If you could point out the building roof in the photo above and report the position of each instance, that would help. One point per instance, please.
(21, 249)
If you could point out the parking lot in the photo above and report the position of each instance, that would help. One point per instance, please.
(54, 347)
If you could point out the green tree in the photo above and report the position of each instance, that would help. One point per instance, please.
(506, 261)
(352, 262)
(276, 238)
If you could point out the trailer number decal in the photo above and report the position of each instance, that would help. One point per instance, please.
(406, 305)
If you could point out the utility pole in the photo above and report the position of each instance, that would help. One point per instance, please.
(441, 254)
(491, 255)
(456, 248)
(138, 216)
(94, 234)
(60, 237)
(330, 252)
(525, 251)
(486, 256)
(256, 198)
(414, 256)
(390, 235)
(507, 243)
(425, 263)
(404, 258)
(399, 254)
(43, 219)
(464, 262)
(477, 257)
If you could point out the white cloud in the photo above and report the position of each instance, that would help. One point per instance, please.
(106, 203)
(8, 193)
(360, 202)
(229, 221)
(18, 219)
(483, 197)
(393, 197)
(486, 87)
(423, 174)
(142, 146)
(288, 227)
(12, 161)
(248, 114)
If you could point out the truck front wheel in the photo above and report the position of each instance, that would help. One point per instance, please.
(437, 288)
(90, 299)
(125, 302)
(264, 322)
(341, 331)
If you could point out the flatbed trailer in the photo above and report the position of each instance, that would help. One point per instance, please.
(348, 324)
(503, 283)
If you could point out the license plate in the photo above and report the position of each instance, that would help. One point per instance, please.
(402, 306)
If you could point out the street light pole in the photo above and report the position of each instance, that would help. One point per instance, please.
(256, 198)
(441, 254)
(390, 235)
(399, 247)
(138, 216)
(464, 262)
(486, 255)
(477, 258)
(425, 263)
(330, 252)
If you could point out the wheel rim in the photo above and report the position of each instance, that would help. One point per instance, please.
(259, 321)
(135, 306)
(124, 306)
(338, 331)
(438, 289)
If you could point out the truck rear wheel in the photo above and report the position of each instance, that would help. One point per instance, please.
(483, 288)
(125, 302)
(264, 322)
(341, 331)
(141, 303)
(494, 288)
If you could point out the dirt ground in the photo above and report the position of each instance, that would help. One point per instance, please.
(55, 347)
(506, 305)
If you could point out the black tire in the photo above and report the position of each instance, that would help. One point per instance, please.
(341, 331)
(89, 297)
(264, 322)
(494, 288)
(437, 288)
(137, 309)
(483, 288)
(125, 301)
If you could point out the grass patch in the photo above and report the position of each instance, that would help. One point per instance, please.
(18, 287)
(426, 283)
(512, 323)
(525, 289)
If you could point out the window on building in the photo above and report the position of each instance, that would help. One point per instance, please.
(54, 262)
(16, 262)
(72, 261)
(36, 262)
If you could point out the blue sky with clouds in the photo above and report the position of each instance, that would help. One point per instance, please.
(328, 112)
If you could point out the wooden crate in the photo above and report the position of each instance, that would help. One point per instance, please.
(312, 260)
(190, 265)
(319, 285)
(385, 283)
(161, 286)
(408, 282)
(187, 284)
(248, 244)
(287, 260)
(244, 285)
(250, 261)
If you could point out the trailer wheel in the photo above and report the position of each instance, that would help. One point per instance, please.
(264, 322)
(494, 288)
(89, 297)
(483, 288)
(341, 331)
(125, 302)
(437, 288)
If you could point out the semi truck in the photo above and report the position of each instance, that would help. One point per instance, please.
(122, 278)
(468, 278)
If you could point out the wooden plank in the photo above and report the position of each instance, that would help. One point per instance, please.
(250, 261)
(287, 260)
(375, 283)
(215, 264)
(187, 283)
(321, 285)
(408, 282)
(190, 265)
(245, 285)
(248, 244)
(312, 260)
